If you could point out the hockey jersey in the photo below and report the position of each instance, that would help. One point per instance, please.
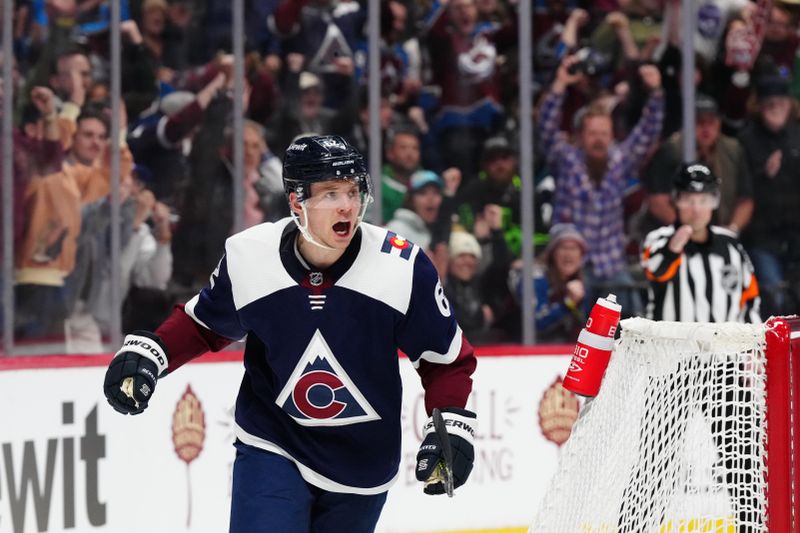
(322, 384)
(712, 281)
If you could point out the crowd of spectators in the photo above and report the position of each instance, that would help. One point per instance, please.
(608, 139)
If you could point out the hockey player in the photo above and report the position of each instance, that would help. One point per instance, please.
(324, 302)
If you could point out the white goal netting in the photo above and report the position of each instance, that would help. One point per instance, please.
(675, 440)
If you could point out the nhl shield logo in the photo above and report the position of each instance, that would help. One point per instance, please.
(315, 278)
(729, 278)
(320, 393)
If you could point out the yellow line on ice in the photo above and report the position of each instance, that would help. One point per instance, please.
(695, 525)
(681, 526)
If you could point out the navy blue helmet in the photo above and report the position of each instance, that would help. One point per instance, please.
(321, 158)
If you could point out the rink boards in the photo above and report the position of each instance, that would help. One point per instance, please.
(70, 463)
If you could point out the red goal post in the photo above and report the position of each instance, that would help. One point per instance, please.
(783, 428)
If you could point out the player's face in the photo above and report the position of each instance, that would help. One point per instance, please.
(695, 208)
(332, 211)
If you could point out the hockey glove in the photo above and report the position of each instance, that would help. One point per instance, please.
(432, 457)
(131, 377)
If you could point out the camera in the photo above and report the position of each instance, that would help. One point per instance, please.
(591, 62)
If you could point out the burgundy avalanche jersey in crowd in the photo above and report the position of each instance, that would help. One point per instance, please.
(322, 385)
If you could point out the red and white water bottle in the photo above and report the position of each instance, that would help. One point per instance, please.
(593, 349)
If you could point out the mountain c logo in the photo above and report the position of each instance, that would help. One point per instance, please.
(320, 393)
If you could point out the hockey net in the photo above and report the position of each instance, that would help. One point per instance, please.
(691, 432)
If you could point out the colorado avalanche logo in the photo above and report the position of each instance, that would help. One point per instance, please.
(320, 393)
(332, 143)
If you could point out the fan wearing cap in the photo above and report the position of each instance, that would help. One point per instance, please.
(723, 154)
(559, 287)
(497, 188)
(464, 287)
(561, 303)
(698, 272)
(305, 111)
(324, 301)
(402, 160)
(771, 141)
(420, 211)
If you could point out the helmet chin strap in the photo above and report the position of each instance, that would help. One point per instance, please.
(307, 235)
(304, 228)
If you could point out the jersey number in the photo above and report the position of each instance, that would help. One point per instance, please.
(441, 300)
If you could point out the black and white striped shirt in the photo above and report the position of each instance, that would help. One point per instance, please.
(708, 282)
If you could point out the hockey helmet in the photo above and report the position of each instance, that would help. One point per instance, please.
(316, 158)
(696, 177)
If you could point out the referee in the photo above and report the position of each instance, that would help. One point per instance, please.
(698, 272)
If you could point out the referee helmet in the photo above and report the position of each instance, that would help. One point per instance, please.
(696, 177)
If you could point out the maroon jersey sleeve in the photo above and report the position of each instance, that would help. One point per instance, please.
(185, 339)
(448, 385)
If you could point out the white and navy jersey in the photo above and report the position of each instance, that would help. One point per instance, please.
(708, 282)
(322, 384)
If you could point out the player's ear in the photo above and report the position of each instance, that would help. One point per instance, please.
(294, 204)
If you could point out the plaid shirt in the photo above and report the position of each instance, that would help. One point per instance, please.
(596, 210)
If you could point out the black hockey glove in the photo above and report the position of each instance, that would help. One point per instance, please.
(433, 456)
(131, 377)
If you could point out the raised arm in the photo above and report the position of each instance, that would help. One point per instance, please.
(550, 113)
(662, 253)
(647, 131)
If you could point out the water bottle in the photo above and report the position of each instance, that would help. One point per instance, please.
(593, 349)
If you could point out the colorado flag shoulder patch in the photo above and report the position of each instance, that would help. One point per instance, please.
(394, 243)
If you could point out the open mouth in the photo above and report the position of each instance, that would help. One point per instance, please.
(342, 229)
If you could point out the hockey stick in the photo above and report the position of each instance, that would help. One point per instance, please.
(127, 388)
(444, 440)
